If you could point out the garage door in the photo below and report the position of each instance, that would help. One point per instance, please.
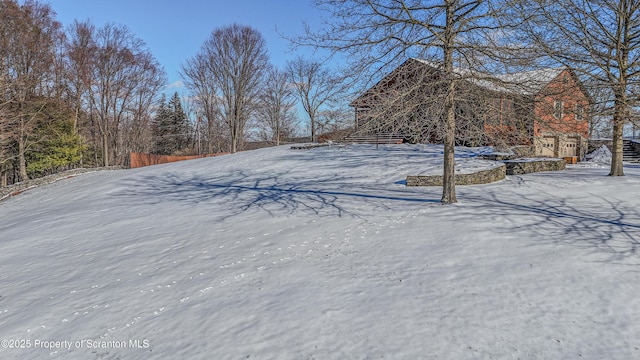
(548, 145)
(570, 148)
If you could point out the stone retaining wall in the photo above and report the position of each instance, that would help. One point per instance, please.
(526, 166)
(508, 167)
(523, 151)
(480, 177)
(23, 186)
(308, 146)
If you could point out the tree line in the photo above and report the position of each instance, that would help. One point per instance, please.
(80, 97)
(87, 95)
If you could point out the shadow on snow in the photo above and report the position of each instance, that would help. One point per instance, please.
(594, 220)
(273, 193)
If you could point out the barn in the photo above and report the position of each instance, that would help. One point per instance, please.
(544, 112)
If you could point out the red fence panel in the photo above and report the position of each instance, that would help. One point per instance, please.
(137, 160)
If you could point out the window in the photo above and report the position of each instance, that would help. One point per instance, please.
(579, 112)
(557, 109)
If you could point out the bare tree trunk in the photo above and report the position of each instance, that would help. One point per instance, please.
(105, 149)
(22, 148)
(448, 179)
(234, 145)
(313, 127)
(616, 158)
(210, 135)
(618, 127)
(22, 162)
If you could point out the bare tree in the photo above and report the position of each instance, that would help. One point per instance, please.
(334, 119)
(601, 39)
(80, 49)
(316, 86)
(228, 71)
(51, 88)
(198, 132)
(28, 53)
(150, 78)
(276, 107)
(196, 72)
(376, 35)
(124, 76)
(6, 8)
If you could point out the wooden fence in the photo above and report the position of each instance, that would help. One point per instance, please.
(137, 160)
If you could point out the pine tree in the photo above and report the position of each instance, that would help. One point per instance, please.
(159, 128)
(180, 126)
(171, 128)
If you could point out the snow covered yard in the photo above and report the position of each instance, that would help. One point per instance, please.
(321, 254)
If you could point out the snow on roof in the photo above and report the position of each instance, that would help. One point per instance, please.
(526, 82)
(531, 82)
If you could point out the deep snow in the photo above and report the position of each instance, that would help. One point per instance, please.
(602, 155)
(322, 254)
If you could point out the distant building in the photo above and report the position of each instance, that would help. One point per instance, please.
(546, 111)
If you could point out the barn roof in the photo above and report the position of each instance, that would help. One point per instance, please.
(527, 83)
(531, 82)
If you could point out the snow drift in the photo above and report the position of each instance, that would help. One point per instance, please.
(602, 155)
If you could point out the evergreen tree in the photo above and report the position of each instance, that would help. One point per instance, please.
(159, 129)
(171, 128)
(180, 126)
(57, 147)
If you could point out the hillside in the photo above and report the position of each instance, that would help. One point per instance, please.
(321, 254)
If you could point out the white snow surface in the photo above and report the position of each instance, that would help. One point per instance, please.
(601, 155)
(321, 254)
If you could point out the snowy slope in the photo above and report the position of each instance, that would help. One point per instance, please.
(321, 254)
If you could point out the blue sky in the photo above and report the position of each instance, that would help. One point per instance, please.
(175, 30)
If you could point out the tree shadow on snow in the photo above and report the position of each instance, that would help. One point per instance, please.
(595, 222)
(277, 194)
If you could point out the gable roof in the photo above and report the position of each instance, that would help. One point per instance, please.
(528, 83)
(523, 83)
(531, 82)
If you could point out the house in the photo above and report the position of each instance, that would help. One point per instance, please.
(544, 111)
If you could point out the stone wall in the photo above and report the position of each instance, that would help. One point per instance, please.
(480, 177)
(526, 166)
(308, 146)
(23, 186)
(523, 151)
